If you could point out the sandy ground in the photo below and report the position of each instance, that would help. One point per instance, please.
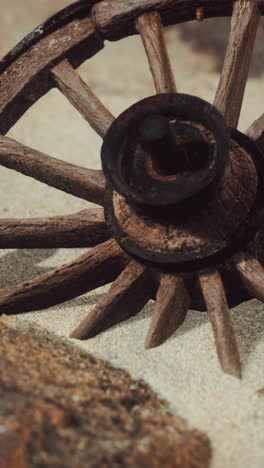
(184, 370)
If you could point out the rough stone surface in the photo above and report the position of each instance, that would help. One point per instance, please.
(61, 407)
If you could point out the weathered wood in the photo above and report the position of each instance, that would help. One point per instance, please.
(82, 97)
(75, 10)
(79, 181)
(167, 239)
(231, 88)
(194, 233)
(116, 18)
(173, 302)
(252, 274)
(151, 30)
(99, 266)
(126, 297)
(84, 229)
(217, 307)
(256, 132)
(27, 79)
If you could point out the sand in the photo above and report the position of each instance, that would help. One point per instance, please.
(185, 370)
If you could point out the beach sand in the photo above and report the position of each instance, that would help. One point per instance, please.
(185, 370)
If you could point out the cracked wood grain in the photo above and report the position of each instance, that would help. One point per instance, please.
(25, 80)
(218, 310)
(87, 184)
(172, 304)
(84, 229)
(99, 266)
(151, 30)
(126, 297)
(82, 97)
(115, 19)
(231, 88)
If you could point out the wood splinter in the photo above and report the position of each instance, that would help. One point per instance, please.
(126, 297)
(172, 305)
(150, 28)
(218, 310)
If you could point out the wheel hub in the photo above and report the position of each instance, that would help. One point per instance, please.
(181, 193)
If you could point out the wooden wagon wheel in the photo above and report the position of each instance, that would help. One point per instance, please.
(182, 190)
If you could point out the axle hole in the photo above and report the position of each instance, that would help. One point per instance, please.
(173, 148)
(189, 154)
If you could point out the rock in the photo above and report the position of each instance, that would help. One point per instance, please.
(62, 407)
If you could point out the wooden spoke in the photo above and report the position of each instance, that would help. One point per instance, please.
(173, 302)
(230, 92)
(217, 307)
(256, 132)
(151, 30)
(126, 297)
(84, 229)
(82, 97)
(101, 265)
(252, 274)
(79, 181)
(25, 72)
